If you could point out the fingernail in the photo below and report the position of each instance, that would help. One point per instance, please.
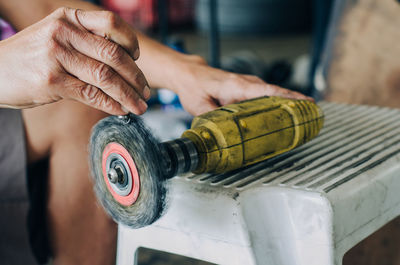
(124, 109)
(142, 105)
(146, 92)
(136, 54)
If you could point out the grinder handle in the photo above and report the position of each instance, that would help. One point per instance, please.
(241, 134)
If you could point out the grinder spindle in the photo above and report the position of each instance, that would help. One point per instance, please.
(180, 156)
(130, 166)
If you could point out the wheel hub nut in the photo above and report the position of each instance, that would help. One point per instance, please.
(116, 175)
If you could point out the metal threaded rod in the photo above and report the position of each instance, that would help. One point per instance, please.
(180, 156)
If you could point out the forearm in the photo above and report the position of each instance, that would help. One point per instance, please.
(164, 67)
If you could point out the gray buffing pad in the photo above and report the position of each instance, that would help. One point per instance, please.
(134, 136)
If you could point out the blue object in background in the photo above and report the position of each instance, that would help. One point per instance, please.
(168, 99)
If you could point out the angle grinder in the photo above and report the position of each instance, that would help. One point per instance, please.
(131, 167)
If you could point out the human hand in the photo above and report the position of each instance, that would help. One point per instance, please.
(202, 88)
(88, 56)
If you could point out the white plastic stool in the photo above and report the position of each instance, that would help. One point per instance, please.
(305, 207)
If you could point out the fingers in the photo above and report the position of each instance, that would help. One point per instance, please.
(112, 54)
(109, 25)
(274, 90)
(102, 76)
(90, 95)
(246, 87)
(277, 91)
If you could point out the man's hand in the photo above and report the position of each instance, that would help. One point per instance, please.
(88, 56)
(202, 88)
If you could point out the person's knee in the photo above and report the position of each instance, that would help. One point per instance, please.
(61, 132)
(56, 124)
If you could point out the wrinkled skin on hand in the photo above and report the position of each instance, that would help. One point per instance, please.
(88, 56)
(93, 57)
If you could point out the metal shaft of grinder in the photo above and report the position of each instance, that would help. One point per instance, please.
(180, 156)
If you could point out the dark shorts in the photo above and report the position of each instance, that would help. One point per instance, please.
(22, 227)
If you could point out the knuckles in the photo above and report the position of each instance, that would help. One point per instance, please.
(96, 98)
(61, 12)
(103, 73)
(256, 79)
(112, 20)
(106, 103)
(90, 94)
(197, 59)
(244, 81)
(235, 80)
(54, 52)
(57, 27)
(139, 79)
(111, 52)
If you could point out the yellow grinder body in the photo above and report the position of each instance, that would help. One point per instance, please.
(241, 134)
(130, 166)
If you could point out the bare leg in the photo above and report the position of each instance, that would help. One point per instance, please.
(79, 230)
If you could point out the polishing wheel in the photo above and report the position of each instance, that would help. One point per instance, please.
(130, 167)
(125, 162)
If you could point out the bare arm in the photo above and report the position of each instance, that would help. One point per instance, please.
(200, 87)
